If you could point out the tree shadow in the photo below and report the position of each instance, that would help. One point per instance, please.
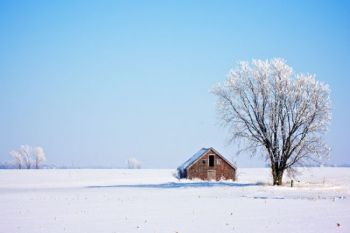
(174, 185)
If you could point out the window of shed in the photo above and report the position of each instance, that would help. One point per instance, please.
(211, 160)
(203, 161)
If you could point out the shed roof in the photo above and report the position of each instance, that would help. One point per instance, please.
(194, 157)
(199, 154)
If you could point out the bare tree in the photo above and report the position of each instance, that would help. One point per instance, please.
(275, 113)
(134, 163)
(39, 156)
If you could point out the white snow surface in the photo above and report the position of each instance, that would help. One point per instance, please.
(52, 201)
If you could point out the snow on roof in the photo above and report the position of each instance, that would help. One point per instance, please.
(194, 157)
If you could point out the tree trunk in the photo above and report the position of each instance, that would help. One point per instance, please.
(277, 175)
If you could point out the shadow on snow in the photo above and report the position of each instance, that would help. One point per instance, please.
(172, 185)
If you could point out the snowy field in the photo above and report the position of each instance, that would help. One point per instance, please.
(83, 201)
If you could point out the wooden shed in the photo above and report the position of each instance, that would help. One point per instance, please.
(207, 164)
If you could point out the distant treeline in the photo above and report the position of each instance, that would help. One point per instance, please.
(8, 165)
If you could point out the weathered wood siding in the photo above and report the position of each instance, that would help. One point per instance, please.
(200, 169)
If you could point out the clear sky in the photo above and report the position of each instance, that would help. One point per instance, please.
(97, 82)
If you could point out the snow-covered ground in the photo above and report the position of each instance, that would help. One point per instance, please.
(50, 201)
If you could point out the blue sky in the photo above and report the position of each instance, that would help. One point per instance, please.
(97, 82)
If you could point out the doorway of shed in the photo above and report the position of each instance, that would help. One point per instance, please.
(211, 175)
(211, 160)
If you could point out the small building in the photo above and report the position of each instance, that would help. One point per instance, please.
(207, 164)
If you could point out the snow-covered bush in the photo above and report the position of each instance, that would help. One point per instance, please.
(134, 163)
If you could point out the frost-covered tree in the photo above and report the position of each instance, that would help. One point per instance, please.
(26, 152)
(134, 163)
(39, 156)
(17, 157)
(276, 113)
(27, 157)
